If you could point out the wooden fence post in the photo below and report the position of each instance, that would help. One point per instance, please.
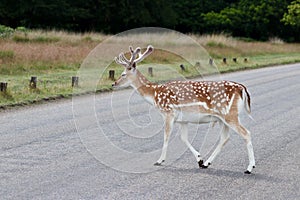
(150, 71)
(224, 60)
(245, 60)
(182, 67)
(75, 81)
(234, 60)
(112, 74)
(33, 82)
(3, 87)
(211, 61)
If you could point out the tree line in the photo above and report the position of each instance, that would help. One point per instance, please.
(257, 19)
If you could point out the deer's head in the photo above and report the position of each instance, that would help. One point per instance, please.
(129, 74)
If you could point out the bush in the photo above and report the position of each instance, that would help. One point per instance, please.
(6, 31)
(22, 29)
(215, 44)
(18, 38)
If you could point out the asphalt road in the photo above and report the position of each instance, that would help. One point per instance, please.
(80, 149)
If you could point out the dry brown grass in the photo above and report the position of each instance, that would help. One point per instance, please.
(28, 53)
(225, 46)
(220, 40)
(70, 48)
(64, 51)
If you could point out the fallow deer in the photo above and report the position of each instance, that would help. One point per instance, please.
(186, 102)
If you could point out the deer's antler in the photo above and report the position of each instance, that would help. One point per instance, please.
(141, 57)
(122, 60)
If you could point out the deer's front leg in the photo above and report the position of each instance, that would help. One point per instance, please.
(169, 122)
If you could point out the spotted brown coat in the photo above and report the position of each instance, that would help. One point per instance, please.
(190, 102)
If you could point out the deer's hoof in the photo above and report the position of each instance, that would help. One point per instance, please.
(204, 166)
(247, 172)
(201, 164)
(158, 163)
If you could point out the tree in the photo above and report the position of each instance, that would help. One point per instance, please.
(292, 17)
(190, 18)
(228, 20)
(258, 19)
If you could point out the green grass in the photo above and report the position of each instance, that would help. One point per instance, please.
(39, 39)
(6, 55)
(257, 61)
(215, 44)
(48, 87)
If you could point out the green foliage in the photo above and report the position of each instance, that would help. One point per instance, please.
(5, 31)
(292, 17)
(258, 19)
(22, 29)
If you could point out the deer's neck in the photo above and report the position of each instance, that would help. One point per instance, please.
(144, 87)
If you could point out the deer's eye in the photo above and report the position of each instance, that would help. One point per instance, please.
(123, 75)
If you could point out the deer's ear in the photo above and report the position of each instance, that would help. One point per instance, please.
(134, 65)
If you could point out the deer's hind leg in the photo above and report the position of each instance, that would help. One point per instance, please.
(241, 130)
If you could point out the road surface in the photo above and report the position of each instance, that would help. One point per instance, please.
(53, 151)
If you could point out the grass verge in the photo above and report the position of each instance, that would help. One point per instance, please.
(54, 57)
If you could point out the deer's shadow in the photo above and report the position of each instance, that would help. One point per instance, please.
(224, 173)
